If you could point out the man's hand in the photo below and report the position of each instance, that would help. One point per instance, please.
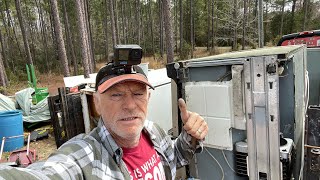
(194, 124)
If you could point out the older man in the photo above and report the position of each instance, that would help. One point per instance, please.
(124, 145)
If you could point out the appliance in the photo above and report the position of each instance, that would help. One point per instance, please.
(248, 98)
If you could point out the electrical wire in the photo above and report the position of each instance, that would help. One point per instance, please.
(216, 162)
(225, 158)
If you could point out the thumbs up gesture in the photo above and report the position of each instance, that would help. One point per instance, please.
(194, 124)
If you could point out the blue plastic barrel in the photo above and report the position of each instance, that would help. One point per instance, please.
(11, 125)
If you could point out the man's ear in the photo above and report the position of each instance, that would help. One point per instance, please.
(96, 100)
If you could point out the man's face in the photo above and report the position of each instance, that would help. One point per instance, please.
(123, 108)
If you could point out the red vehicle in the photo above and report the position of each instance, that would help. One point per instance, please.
(310, 38)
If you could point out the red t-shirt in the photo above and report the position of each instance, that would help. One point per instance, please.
(143, 162)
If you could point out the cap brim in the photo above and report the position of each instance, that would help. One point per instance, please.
(122, 78)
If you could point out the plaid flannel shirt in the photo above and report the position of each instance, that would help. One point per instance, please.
(97, 156)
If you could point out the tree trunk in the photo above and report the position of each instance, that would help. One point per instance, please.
(69, 39)
(256, 8)
(3, 74)
(191, 27)
(255, 24)
(60, 42)
(9, 41)
(116, 17)
(151, 28)
(129, 37)
(10, 24)
(123, 23)
(43, 33)
(305, 14)
(138, 21)
(131, 21)
(31, 32)
(144, 31)
(208, 24)
(181, 28)
(235, 30)
(105, 20)
(90, 42)
(292, 24)
(82, 32)
(53, 36)
(250, 11)
(260, 24)
(168, 29)
(244, 24)
(23, 32)
(5, 62)
(161, 27)
(265, 29)
(113, 24)
(176, 25)
(282, 16)
(68, 51)
(213, 35)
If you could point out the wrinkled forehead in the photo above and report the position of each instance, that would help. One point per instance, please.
(128, 86)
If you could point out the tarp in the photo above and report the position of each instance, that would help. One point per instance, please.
(32, 113)
(6, 103)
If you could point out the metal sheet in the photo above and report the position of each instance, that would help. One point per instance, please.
(202, 97)
(300, 66)
(263, 136)
(313, 64)
(239, 121)
(285, 51)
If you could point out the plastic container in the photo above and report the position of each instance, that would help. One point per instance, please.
(40, 94)
(11, 125)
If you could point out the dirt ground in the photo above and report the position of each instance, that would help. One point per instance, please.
(44, 147)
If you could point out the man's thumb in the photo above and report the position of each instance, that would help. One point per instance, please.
(183, 110)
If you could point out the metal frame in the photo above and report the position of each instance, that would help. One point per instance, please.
(262, 103)
(85, 108)
(10, 137)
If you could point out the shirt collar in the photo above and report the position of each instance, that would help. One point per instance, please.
(107, 140)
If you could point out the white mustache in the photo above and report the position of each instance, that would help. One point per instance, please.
(130, 115)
